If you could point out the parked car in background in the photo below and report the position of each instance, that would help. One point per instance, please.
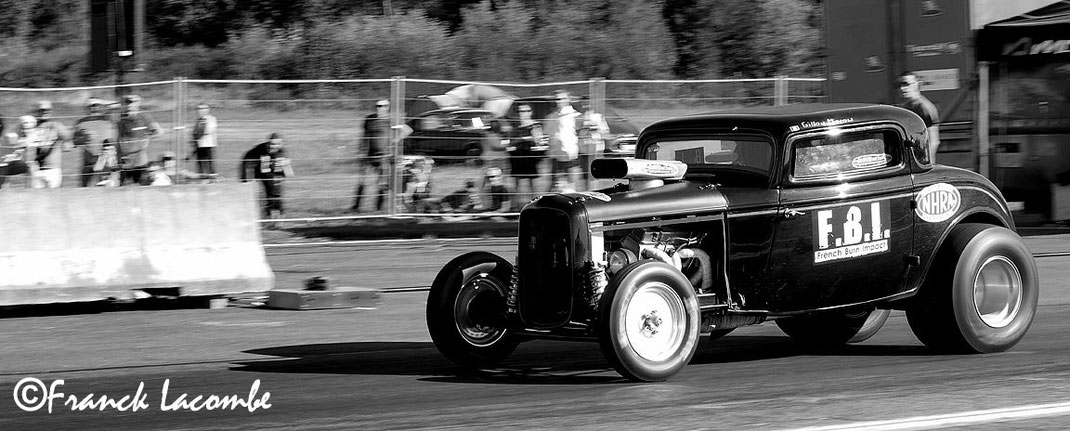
(454, 135)
(821, 218)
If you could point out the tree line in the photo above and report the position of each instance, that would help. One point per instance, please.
(44, 43)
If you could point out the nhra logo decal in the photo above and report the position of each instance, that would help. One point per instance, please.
(852, 231)
(937, 202)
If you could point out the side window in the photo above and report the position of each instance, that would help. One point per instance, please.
(845, 154)
(716, 152)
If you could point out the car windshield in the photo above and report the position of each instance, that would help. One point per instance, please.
(716, 154)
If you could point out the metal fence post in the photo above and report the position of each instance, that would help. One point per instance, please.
(177, 117)
(780, 91)
(596, 95)
(397, 100)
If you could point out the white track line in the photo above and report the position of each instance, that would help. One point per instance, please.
(954, 419)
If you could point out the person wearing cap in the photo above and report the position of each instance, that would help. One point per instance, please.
(204, 139)
(910, 87)
(136, 131)
(90, 132)
(375, 153)
(55, 139)
(268, 165)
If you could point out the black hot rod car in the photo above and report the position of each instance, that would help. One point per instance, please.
(820, 217)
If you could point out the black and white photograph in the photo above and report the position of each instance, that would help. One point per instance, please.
(788, 215)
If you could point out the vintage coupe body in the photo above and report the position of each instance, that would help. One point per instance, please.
(819, 217)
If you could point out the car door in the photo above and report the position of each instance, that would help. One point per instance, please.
(844, 226)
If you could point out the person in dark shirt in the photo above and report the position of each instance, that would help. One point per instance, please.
(910, 87)
(376, 153)
(372, 160)
(90, 132)
(136, 131)
(267, 164)
(527, 148)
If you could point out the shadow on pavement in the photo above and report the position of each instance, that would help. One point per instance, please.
(534, 363)
(537, 362)
(755, 348)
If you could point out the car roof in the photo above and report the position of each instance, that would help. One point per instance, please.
(781, 121)
(795, 117)
(457, 110)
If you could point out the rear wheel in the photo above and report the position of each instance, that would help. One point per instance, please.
(649, 323)
(828, 329)
(980, 295)
(466, 310)
(874, 321)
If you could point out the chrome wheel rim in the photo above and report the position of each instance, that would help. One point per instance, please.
(475, 333)
(653, 322)
(997, 291)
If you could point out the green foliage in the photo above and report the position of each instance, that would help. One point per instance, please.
(61, 67)
(378, 47)
(497, 44)
(43, 41)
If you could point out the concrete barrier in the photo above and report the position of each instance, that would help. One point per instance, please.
(84, 244)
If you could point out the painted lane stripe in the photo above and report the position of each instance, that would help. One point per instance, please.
(954, 419)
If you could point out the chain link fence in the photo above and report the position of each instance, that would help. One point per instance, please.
(439, 169)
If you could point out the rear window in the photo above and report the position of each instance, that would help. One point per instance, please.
(715, 153)
(845, 154)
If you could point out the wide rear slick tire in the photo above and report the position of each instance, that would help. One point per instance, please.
(649, 321)
(466, 309)
(981, 292)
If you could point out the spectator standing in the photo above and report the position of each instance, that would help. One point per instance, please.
(18, 150)
(90, 132)
(376, 153)
(564, 143)
(910, 87)
(527, 148)
(55, 139)
(136, 131)
(204, 139)
(268, 165)
(592, 138)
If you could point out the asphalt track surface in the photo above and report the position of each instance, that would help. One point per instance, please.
(376, 369)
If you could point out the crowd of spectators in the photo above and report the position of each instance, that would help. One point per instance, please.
(113, 139)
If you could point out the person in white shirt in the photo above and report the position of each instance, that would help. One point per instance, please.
(564, 143)
(204, 139)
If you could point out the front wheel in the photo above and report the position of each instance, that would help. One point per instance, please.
(649, 321)
(980, 295)
(466, 310)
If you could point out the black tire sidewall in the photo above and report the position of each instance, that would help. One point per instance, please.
(441, 319)
(986, 243)
(824, 329)
(615, 344)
